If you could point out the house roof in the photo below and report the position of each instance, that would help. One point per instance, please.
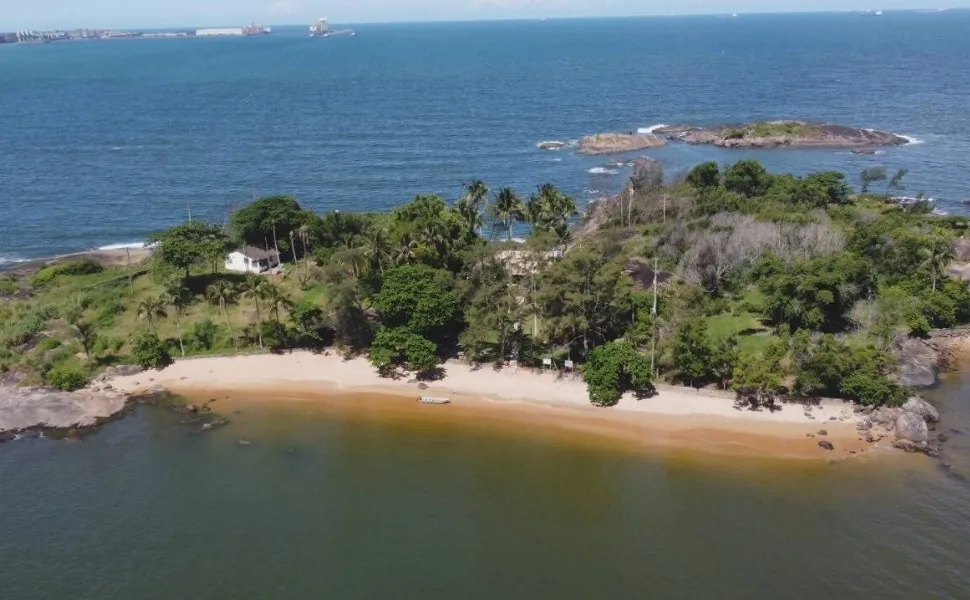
(254, 253)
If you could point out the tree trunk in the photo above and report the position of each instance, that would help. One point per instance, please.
(508, 229)
(151, 323)
(259, 324)
(276, 244)
(293, 249)
(232, 336)
(178, 326)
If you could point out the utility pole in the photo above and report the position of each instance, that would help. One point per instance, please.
(131, 287)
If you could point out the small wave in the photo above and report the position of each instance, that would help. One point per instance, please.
(11, 260)
(652, 128)
(130, 245)
(912, 140)
(602, 171)
(115, 148)
(557, 160)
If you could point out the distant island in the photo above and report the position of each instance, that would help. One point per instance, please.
(779, 134)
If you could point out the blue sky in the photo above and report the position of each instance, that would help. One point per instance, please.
(41, 14)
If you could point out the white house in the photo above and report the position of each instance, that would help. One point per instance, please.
(250, 259)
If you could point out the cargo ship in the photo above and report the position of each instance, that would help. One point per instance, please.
(322, 29)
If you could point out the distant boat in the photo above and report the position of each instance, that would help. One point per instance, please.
(872, 13)
(433, 400)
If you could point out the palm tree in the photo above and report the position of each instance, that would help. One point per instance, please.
(178, 298)
(404, 252)
(378, 247)
(275, 297)
(255, 288)
(224, 293)
(151, 309)
(86, 335)
(470, 205)
(938, 254)
(508, 207)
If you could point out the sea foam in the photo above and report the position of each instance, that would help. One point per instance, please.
(652, 128)
(602, 171)
(129, 245)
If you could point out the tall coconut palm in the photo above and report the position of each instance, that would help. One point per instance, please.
(87, 335)
(151, 309)
(404, 252)
(937, 256)
(275, 298)
(470, 205)
(224, 293)
(508, 208)
(378, 246)
(254, 288)
(178, 297)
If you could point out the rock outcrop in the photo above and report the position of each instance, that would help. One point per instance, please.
(782, 134)
(911, 427)
(919, 362)
(918, 406)
(616, 143)
(38, 409)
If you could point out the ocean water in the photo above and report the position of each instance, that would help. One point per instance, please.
(102, 143)
(359, 505)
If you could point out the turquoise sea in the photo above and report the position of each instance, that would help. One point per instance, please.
(102, 143)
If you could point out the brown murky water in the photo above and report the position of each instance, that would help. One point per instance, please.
(333, 501)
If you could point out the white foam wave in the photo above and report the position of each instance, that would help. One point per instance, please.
(912, 140)
(602, 171)
(652, 128)
(130, 245)
(11, 260)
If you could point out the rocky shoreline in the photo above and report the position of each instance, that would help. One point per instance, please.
(782, 134)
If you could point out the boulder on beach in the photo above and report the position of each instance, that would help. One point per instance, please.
(616, 143)
(911, 427)
(918, 406)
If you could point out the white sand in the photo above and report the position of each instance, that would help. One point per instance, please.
(303, 369)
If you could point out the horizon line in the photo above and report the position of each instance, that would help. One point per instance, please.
(135, 28)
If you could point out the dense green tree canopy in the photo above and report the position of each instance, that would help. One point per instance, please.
(267, 222)
(748, 178)
(184, 245)
(416, 298)
(614, 369)
(705, 176)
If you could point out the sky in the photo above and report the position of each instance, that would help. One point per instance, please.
(49, 14)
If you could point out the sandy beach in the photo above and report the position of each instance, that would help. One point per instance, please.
(679, 417)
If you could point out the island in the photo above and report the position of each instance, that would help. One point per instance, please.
(618, 143)
(782, 134)
(792, 305)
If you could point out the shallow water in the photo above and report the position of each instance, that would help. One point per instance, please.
(329, 504)
(105, 142)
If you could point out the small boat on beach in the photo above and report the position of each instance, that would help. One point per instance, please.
(433, 400)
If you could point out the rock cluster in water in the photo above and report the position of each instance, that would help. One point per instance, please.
(617, 143)
(777, 134)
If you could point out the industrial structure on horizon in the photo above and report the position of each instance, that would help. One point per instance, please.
(61, 35)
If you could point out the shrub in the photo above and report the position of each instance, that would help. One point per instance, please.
(149, 352)
(614, 369)
(85, 266)
(106, 343)
(202, 335)
(112, 308)
(48, 344)
(67, 379)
